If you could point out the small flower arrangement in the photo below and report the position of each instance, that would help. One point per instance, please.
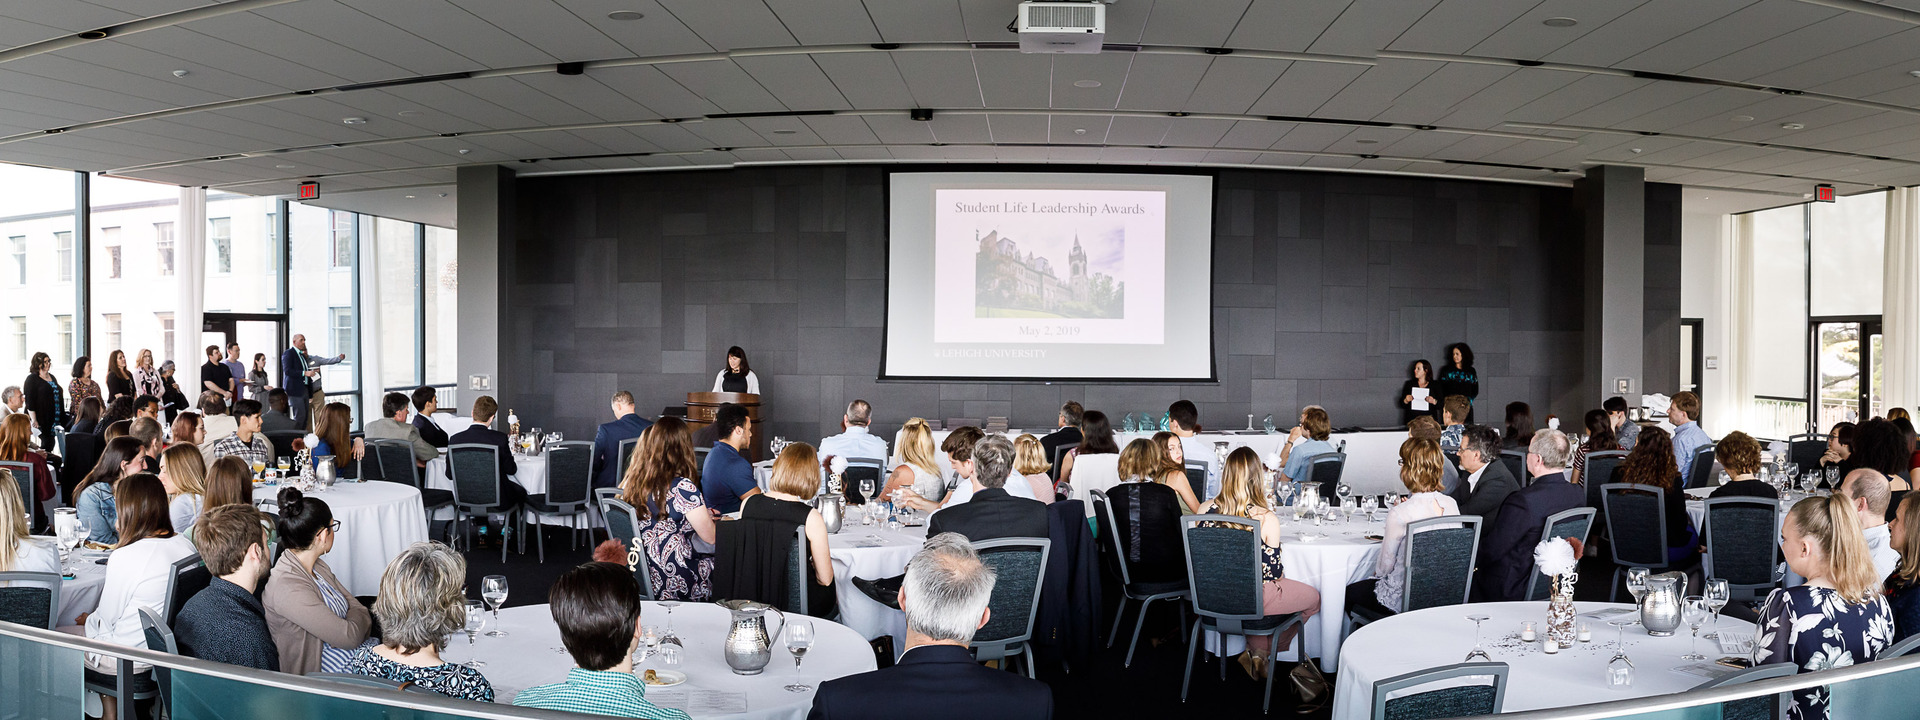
(1557, 556)
(838, 465)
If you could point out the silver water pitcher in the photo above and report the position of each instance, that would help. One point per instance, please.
(749, 648)
(1660, 607)
(833, 509)
(323, 471)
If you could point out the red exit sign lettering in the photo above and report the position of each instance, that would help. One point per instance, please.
(1823, 193)
(311, 190)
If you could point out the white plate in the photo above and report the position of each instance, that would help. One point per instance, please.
(666, 678)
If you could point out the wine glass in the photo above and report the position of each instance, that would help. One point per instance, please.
(1696, 614)
(667, 636)
(1833, 475)
(866, 489)
(493, 588)
(1718, 595)
(1620, 669)
(650, 639)
(1478, 651)
(476, 617)
(799, 638)
(1637, 583)
(1345, 493)
(1368, 505)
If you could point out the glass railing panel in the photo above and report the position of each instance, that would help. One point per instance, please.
(198, 696)
(39, 680)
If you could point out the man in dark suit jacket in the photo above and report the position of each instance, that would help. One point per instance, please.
(480, 433)
(606, 441)
(1488, 482)
(1067, 436)
(425, 401)
(992, 513)
(937, 676)
(1506, 545)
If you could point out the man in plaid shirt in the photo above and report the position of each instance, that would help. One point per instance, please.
(247, 441)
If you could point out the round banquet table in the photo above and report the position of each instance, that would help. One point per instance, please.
(531, 654)
(871, 552)
(377, 521)
(1576, 676)
(1328, 564)
(81, 594)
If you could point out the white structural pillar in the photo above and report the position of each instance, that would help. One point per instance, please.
(190, 267)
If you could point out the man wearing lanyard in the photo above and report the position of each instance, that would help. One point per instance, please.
(300, 374)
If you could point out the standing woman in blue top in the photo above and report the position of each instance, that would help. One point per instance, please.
(1458, 377)
(738, 377)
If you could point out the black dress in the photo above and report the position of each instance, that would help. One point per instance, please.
(1407, 413)
(118, 387)
(765, 531)
(48, 403)
(733, 382)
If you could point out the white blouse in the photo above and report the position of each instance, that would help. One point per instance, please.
(1386, 566)
(137, 577)
(36, 554)
(1096, 471)
(184, 509)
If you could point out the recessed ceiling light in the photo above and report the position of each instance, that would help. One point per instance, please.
(409, 197)
(1792, 126)
(1560, 22)
(1086, 83)
(180, 73)
(354, 120)
(284, 167)
(408, 113)
(1365, 141)
(1079, 131)
(1636, 151)
(786, 132)
(1915, 73)
(624, 15)
(1743, 118)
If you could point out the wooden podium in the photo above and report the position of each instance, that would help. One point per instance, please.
(702, 406)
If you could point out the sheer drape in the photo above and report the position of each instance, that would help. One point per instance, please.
(368, 317)
(1900, 319)
(190, 265)
(1736, 261)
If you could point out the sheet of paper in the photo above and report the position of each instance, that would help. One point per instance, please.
(1606, 613)
(1706, 669)
(697, 701)
(1420, 396)
(1735, 643)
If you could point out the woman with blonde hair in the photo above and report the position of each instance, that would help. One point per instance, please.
(1240, 496)
(20, 551)
(1421, 466)
(919, 469)
(183, 470)
(782, 508)
(1030, 461)
(422, 602)
(146, 378)
(1142, 460)
(670, 513)
(1837, 618)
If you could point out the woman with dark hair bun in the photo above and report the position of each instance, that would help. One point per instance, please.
(1459, 377)
(317, 624)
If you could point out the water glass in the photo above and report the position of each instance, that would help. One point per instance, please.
(493, 588)
(476, 618)
(799, 638)
(670, 654)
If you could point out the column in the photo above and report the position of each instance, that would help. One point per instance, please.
(486, 214)
(1613, 200)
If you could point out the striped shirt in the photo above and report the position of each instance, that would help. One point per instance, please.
(598, 692)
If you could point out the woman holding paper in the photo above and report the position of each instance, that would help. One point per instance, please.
(1417, 396)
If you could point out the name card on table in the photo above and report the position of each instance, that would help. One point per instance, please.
(699, 702)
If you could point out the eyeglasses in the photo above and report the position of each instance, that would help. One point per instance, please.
(334, 526)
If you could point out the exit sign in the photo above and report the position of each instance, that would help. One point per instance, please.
(311, 190)
(1823, 193)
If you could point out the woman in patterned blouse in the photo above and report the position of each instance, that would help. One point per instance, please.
(422, 601)
(1836, 619)
(83, 386)
(663, 487)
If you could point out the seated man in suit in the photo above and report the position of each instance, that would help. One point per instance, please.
(1488, 482)
(425, 401)
(626, 425)
(1506, 553)
(393, 426)
(276, 418)
(482, 433)
(990, 514)
(945, 597)
(1067, 436)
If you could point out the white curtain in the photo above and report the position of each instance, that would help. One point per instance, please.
(371, 387)
(190, 267)
(1736, 262)
(1900, 318)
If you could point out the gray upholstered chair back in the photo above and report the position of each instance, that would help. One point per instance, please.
(700, 456)
(476, 476)
(395, 460)
(1019, 565)
(1637, 522)
(1326, 471)
(622, 526)
(570, 473)
(1109, 543)
(626, 456)
(30, 598)
(858, 469)
(1059, 456)
(1741, 534)
(1599, 471)
(1223, 568)
(1197, 478)
(1700, 472)
(282, 442)
(1516, 462)
(1439, 561)
(799, 573)
(1806, 449)
(159, 638)
(23, 477)
(1764, 707)
(1454, 701)
(1573, 523)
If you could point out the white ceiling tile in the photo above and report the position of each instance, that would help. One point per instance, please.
(658, 33)
(1011, 79)
(782, 130)
(207, 59)
(1162, 82)
(1285, 25)
(1456, 26)
(1078, 130)
(940, 79)
(1442, 91)
(796, 82)
(727, 132)
(732, 24)
(587, 93)
(368, 35)
(447, 25)
(1305, 87)
(1644, 27)
(1311, 138)
(958, 128)
(15, 31)
(724, 84)
(1575, 96)
(511, 92)
(1369, 25)
(1254, 134)
(826, 22)
(1232, 84)
(1128, 130)
(646, 85)
(843, 129)
(867, 80)
(905, 21)
(1193, 23)
(1527, 38)
(297, 47)
(1375, 90)
(1492, 105)
(547, 27)
(898, 129)
(1196, 132)
(1018, 129)
(1800, 47)
(1107, 69)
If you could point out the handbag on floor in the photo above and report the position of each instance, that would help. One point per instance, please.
(1309, 686)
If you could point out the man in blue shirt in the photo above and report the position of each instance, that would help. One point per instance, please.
(1687, 435)
(1306, 441)
(606, 441)
(727, 478)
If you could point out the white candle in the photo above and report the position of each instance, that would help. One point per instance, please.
(1526, 632)
(1586, 633)
(1552, 647)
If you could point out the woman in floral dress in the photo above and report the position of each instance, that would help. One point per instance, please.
(662, 484)
(1836, 619)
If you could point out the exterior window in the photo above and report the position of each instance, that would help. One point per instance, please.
(65, 325)
(18, 246)
(343, 233)
(163, 244)
(220, 237)
(342, 325)
(20, 339)
(166, 335)
(63, 255)
(110, 324)
(110, 239)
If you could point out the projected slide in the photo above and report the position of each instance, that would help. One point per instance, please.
(1049, 276)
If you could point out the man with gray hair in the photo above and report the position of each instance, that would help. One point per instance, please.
(945, 597)
(13, 399)
(855, 440)
(1506, 553)
(985, 510)
(1869, 494)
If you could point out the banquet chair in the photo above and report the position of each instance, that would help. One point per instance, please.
(1900, 649)
(1059, 456)
(1439, 565)
(626, 457)
(392, 461)
(1573, 523)
(569, 480)
(83, 452)
(476, 489)
(23, 476)
(1700, 472)
(1637, 521)
(1516, 462)
(1020, 566)
(699, 457)
(623, 525)
(1197, 477)
(1325, 470)
(1446, 702)
(1223, 570)
(799, 573)
(1764, 707)
(1147, 549)
(188, 578)
(1740, 536)
(862, 469)
(160, 639)
(30, 598)
(1806, 449)
(282, 442)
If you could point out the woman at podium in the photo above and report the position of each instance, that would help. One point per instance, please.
(738, 377)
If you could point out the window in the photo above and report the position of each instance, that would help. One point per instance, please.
(20, 339)
(343, 237)
(18, 246)
(166, 335)
(64, 356)
(1780, 302)
(63, 255)
(220, 240)
(341, 322)
(110, 239)
(163, 245)
(397, 272)
(441, 274)
(110, 330)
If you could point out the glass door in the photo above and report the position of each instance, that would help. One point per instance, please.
(264, 335)
(1847, 369)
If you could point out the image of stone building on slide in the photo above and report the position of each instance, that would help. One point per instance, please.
(1009, 283)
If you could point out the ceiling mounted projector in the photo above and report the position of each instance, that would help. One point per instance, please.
(1062, 27)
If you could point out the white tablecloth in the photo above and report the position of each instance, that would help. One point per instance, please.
(871, 619)
(82, 593)
(1576, 676)
(1328, 564)
(377, 521)
(532, 654)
